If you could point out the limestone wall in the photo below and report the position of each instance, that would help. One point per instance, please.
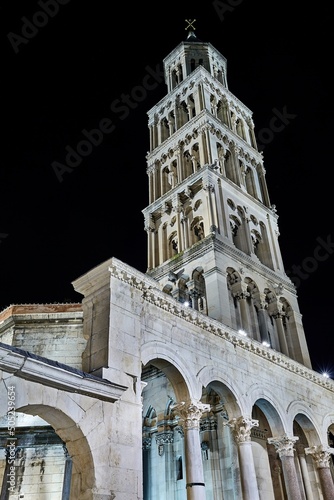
(54, 331)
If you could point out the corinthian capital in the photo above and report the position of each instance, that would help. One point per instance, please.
(320, 454)
(191, 412)
(284, 445)
(241, 428)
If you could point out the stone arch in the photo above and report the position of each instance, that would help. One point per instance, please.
(175, 368)
(250, 181)
(197, 229)
(197, 290)
(271, 409)
(262, 248)
(168, 381)
(309, 429)
(328, 425)
(298, 411)
(83, 472)
(168, 289)
(271, 424)
(216, 434)
(173, 244)
(225, 386)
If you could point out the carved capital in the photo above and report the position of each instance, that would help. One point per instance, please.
(241, 428)
(261, 305)
(277, 314)
(284, 445)
(321, 455)
(191, 412)
(241, 295)
(164, 437)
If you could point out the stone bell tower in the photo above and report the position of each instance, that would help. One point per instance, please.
(212, 230)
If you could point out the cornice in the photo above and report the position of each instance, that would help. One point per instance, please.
(34, 368)
(198, 76)
(94, 280)
(246, 262)
(203, 119)
(255, 267)
(151, 294)
(191, 179)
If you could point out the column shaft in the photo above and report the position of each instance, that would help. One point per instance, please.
(247, 471)
(326, 481)
(194, 466)
(191, 413)
(305, 475)
(241, 428)
(290, 478)
(321, 456)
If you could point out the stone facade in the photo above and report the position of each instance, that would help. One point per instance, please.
(192, 380)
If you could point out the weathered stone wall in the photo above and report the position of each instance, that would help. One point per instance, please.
(54, 331)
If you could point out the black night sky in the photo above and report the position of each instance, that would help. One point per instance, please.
(68, 66)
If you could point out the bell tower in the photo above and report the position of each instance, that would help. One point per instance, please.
(212, 230)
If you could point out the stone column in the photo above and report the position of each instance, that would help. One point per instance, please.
(262, 317)
(215, 219)
(208, 188)
(150, 186)
(185, 231)
(180, 164)
(252, 134)
(177, 208)
(191, 413)
(248, 236)
(262, 180)
(277, 481)
(241, 428)
(241, 297)
(321, 456)
(203, 147)
(280, 330)
(305, 475)
(284, 447)
(235, 150)
(160, 135)
(150, 245)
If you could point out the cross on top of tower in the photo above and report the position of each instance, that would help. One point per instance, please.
(190, 26)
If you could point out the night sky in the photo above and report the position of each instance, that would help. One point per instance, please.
(67, 67)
